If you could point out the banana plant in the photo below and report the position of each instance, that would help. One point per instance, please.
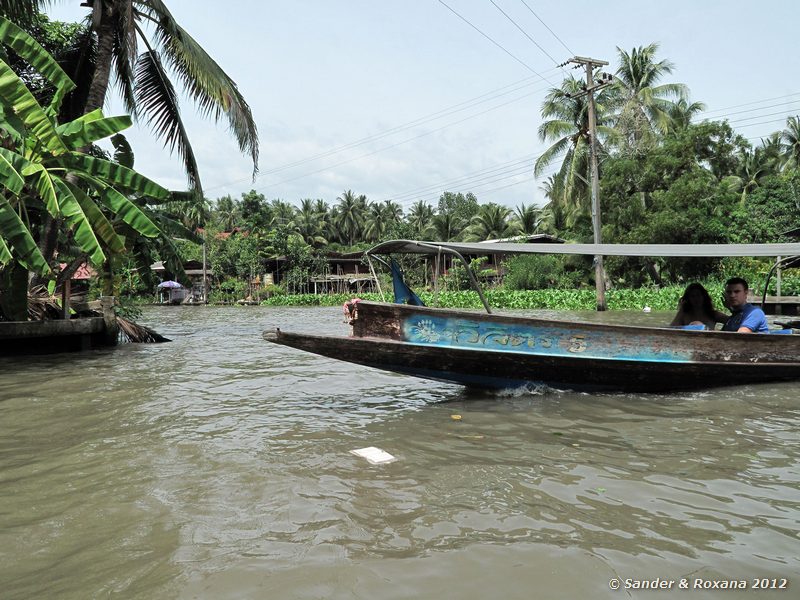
(44, 172)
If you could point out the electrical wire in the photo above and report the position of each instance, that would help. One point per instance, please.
(525, 33)
(524, 64)
(548, 29)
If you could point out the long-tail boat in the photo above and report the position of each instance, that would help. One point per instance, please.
(501, 351)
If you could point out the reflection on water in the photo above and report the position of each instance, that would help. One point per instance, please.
(218, 466)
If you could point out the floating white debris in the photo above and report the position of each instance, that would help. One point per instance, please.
(374, 455)
(646, 309)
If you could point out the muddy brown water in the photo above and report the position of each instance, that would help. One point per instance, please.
(219, 466)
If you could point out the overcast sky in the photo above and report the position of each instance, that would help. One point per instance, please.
(402, 99)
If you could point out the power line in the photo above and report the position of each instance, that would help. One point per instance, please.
(525, 33)
(738, 112)
(783, 112)
(548, 29)
(751, 103)
(416, 137)
(513, 164)
(531, 69)
(456, 108)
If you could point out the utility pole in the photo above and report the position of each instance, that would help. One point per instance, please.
(591, 86)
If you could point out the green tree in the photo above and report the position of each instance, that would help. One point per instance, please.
(460, 207)
(118, 28)
(527, 218)
(420, 217)
(567, 126)
(350, 217)
(790, 137)
(491, 222)
(45, 176)
(226, 213)
(311, 223)
(644, 104)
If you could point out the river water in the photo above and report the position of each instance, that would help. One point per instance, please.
(218, 466)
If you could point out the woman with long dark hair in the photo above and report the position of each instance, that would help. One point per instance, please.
(696, 308)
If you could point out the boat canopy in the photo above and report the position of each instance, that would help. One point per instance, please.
(671, 250)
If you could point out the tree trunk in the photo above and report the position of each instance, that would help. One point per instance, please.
(103, 24)
(14, 292)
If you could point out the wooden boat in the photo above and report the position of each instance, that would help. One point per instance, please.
(497, 351)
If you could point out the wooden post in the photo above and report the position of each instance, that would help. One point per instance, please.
(66, 292)
(591, 86)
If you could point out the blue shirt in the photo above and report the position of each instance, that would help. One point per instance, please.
(749, 316)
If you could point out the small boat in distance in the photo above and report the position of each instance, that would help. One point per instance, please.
(501, 351)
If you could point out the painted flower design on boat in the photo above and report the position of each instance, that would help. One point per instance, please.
(425, 330)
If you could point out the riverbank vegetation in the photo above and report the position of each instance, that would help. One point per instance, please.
(666, 177)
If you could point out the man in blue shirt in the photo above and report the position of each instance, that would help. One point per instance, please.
(746, 318)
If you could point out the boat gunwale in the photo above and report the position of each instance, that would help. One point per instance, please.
(521, 320)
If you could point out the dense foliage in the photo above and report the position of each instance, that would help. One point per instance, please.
(664, 179)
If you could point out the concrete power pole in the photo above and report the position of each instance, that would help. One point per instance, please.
(591, 86)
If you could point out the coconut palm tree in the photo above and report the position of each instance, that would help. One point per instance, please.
(527, 218)
(311, 223)
(681, 113)
(148, 93)
(567, 127)
(283, 213)
(227, 213)
(392, 211)
(420, 217)
(644, 105)
(350, 216)
(790, 137)
(754, 166)
(446, 227)
(491, 222)
(375, 222)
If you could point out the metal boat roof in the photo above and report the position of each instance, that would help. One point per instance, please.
(671, 250)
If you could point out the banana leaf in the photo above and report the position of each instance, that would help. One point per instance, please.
(14, 93)
(16, 233)
(9, 177)
(78, 134)
(113, 174)
(32, 52)
(76, 217)
(129, 212)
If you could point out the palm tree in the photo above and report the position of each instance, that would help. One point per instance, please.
(681, 113)
(527, 218)
(375, 223)
(350, 216)
(392, 211)
(754, 166)
(311, 223)
(790, 137)
(568, 128)
(227, 213)
(491, 222)
(446, 227)
(644, 105)
(420, 217)
(117, 28)
(283, 213)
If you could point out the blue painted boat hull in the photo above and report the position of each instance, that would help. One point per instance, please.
(496, 351)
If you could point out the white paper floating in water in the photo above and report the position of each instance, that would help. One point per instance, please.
(374, 455)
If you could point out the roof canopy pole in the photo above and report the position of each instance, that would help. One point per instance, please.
(473, 280)
(375, 276)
